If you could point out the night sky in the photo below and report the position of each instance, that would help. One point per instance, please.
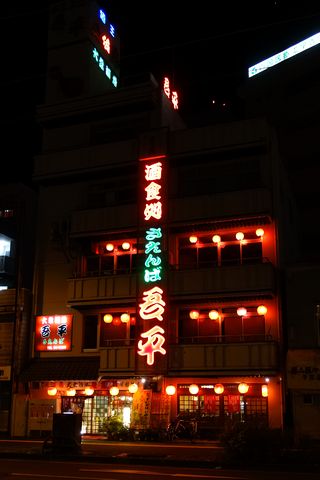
(205, 47)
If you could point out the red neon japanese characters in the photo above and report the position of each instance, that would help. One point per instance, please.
(152, 307)
(172, 95)
(155, 340)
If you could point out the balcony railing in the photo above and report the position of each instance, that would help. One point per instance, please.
(227, 357)
(243, 358)
(97, 286)
(242, 338)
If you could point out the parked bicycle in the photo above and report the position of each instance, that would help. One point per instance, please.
(182, 428)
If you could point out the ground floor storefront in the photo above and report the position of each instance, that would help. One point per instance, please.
(144, 404)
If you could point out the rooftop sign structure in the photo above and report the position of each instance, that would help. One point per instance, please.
(284, 55)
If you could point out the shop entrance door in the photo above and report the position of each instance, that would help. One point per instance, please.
(94, 415)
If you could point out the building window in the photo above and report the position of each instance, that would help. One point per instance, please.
(252, 252)
(227, 327)
(230, 255)
(189, 403)
(207, 253)
(308, 399)
(201, 330)
(109, 258)
(256, 407)
(117, 333)
(90, 332)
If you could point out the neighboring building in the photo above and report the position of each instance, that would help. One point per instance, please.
(303, 361)
(17, 221)
(287, 96)
(160, 254)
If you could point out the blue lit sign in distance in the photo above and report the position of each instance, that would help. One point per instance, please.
(284, 55)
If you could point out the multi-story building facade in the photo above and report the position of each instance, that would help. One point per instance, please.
(17, 221)
(158, 269)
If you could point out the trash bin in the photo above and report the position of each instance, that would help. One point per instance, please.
(66, 434)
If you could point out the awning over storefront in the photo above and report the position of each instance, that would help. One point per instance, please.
(61, 368)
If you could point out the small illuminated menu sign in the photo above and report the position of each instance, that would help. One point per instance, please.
(53, 333)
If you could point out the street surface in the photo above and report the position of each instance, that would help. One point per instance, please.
(21, 469)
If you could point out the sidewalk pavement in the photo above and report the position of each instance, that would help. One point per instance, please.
(184, 453)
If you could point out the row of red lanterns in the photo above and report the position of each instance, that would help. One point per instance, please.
(124, 317)
(241, 311)
(170, 390)
(71, 392)
(125, 246)
(218, 389)
(217, 239)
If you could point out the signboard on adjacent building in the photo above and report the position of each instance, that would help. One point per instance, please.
(53, 333)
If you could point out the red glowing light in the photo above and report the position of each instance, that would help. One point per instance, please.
(166, 86)
(106, 43)
(174, 100)
(154, 343)
(156, 157)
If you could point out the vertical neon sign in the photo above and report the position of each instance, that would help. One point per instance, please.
(152, 306)
(172, 95)
(107, 43)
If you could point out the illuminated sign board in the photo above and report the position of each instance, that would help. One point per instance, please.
(152, 306)
(53, 333)
(105, 52)
(103, 65)
(284, 55)
(171, 94)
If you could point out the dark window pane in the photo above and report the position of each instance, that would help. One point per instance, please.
(254, 328)
(209, 330)
(90, 331)
(252, 252)
(208, 256)
(123, 264)
(230, 255)
(107, 264)
(93, 264)
(188, 258)
(188, 328)
(232, 327)
(113, 333)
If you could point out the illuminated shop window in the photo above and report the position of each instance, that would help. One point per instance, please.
(94, 414)
(256, 407)
(189, 403)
